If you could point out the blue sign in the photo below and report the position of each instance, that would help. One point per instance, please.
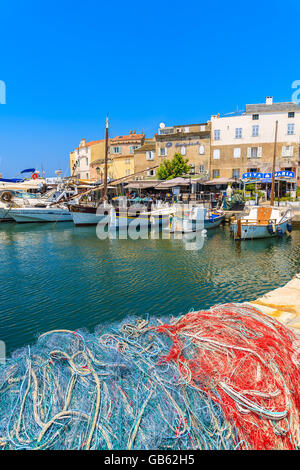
(169, 144)
(278, 174)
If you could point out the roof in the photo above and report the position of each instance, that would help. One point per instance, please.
(218, 181)
(93, 142)
(127, 137)
(174, 182)
(88, 144)
(188, 125)
(142, 184)
(147, 146)
(271, 108)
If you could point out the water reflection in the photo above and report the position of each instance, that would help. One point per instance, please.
(62, 276)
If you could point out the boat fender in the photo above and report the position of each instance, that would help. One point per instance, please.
(279, 232)
(271, 229)
(6, 196)
(289, 227)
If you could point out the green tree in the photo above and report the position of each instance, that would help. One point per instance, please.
(170, 169)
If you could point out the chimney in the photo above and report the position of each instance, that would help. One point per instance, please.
(269, 100)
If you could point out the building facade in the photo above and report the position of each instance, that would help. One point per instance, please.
(82, 157)
(120, 158)
(245, 143)
(192, 141)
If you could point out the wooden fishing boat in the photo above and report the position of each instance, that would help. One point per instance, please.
(195, 219)
(88, 214)
(262, 222)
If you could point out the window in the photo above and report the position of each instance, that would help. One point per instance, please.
(115, 150)
(290, 129)
(201, 168)
(186, 129)
(151, 173)
(127, 172)
(183, 150)
(253, 170)
(255, 130)
(150, 155)
(201, 150)
(216, 173)
(237, 153)
(254, 152)
(87, 161)
(192, 170)
(216, 154)
(162, 152)
(236, 173)
(255, 117)
(133, 147)
(287, 151)
(238, 133)
(202, 128)
(87, 176)
(291, 114)
(217, 134)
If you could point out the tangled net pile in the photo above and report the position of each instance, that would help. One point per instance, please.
(217, 379)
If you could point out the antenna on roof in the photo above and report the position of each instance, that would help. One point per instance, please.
(236, 112)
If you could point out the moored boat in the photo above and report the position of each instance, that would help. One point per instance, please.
(84, 214)
(195, 219)
(262, 222)
(41, 214)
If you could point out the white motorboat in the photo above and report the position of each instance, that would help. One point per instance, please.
(41, 214)
(12, 207)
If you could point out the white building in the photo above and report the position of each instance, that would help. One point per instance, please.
(82, 159)
(245, 142)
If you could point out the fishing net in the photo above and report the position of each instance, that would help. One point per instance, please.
(217, 379)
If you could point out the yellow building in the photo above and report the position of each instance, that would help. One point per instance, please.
(121, 157)
(72, 162)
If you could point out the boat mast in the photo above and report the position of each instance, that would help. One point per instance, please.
(273, 169)
(105, 161)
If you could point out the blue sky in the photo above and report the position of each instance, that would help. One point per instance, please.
(66, 64)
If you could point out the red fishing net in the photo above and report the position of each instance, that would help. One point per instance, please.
(247, 363)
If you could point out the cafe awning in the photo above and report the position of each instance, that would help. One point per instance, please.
(175, 182)
(142, 184)
(219, 181)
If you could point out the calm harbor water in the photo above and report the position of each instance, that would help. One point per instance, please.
(62, 276)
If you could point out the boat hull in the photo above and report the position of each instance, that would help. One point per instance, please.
(250, 232)
(194, 225)
(85, 218)
(208, 224)
(87, 215)
(5, 214)
(40, 215)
